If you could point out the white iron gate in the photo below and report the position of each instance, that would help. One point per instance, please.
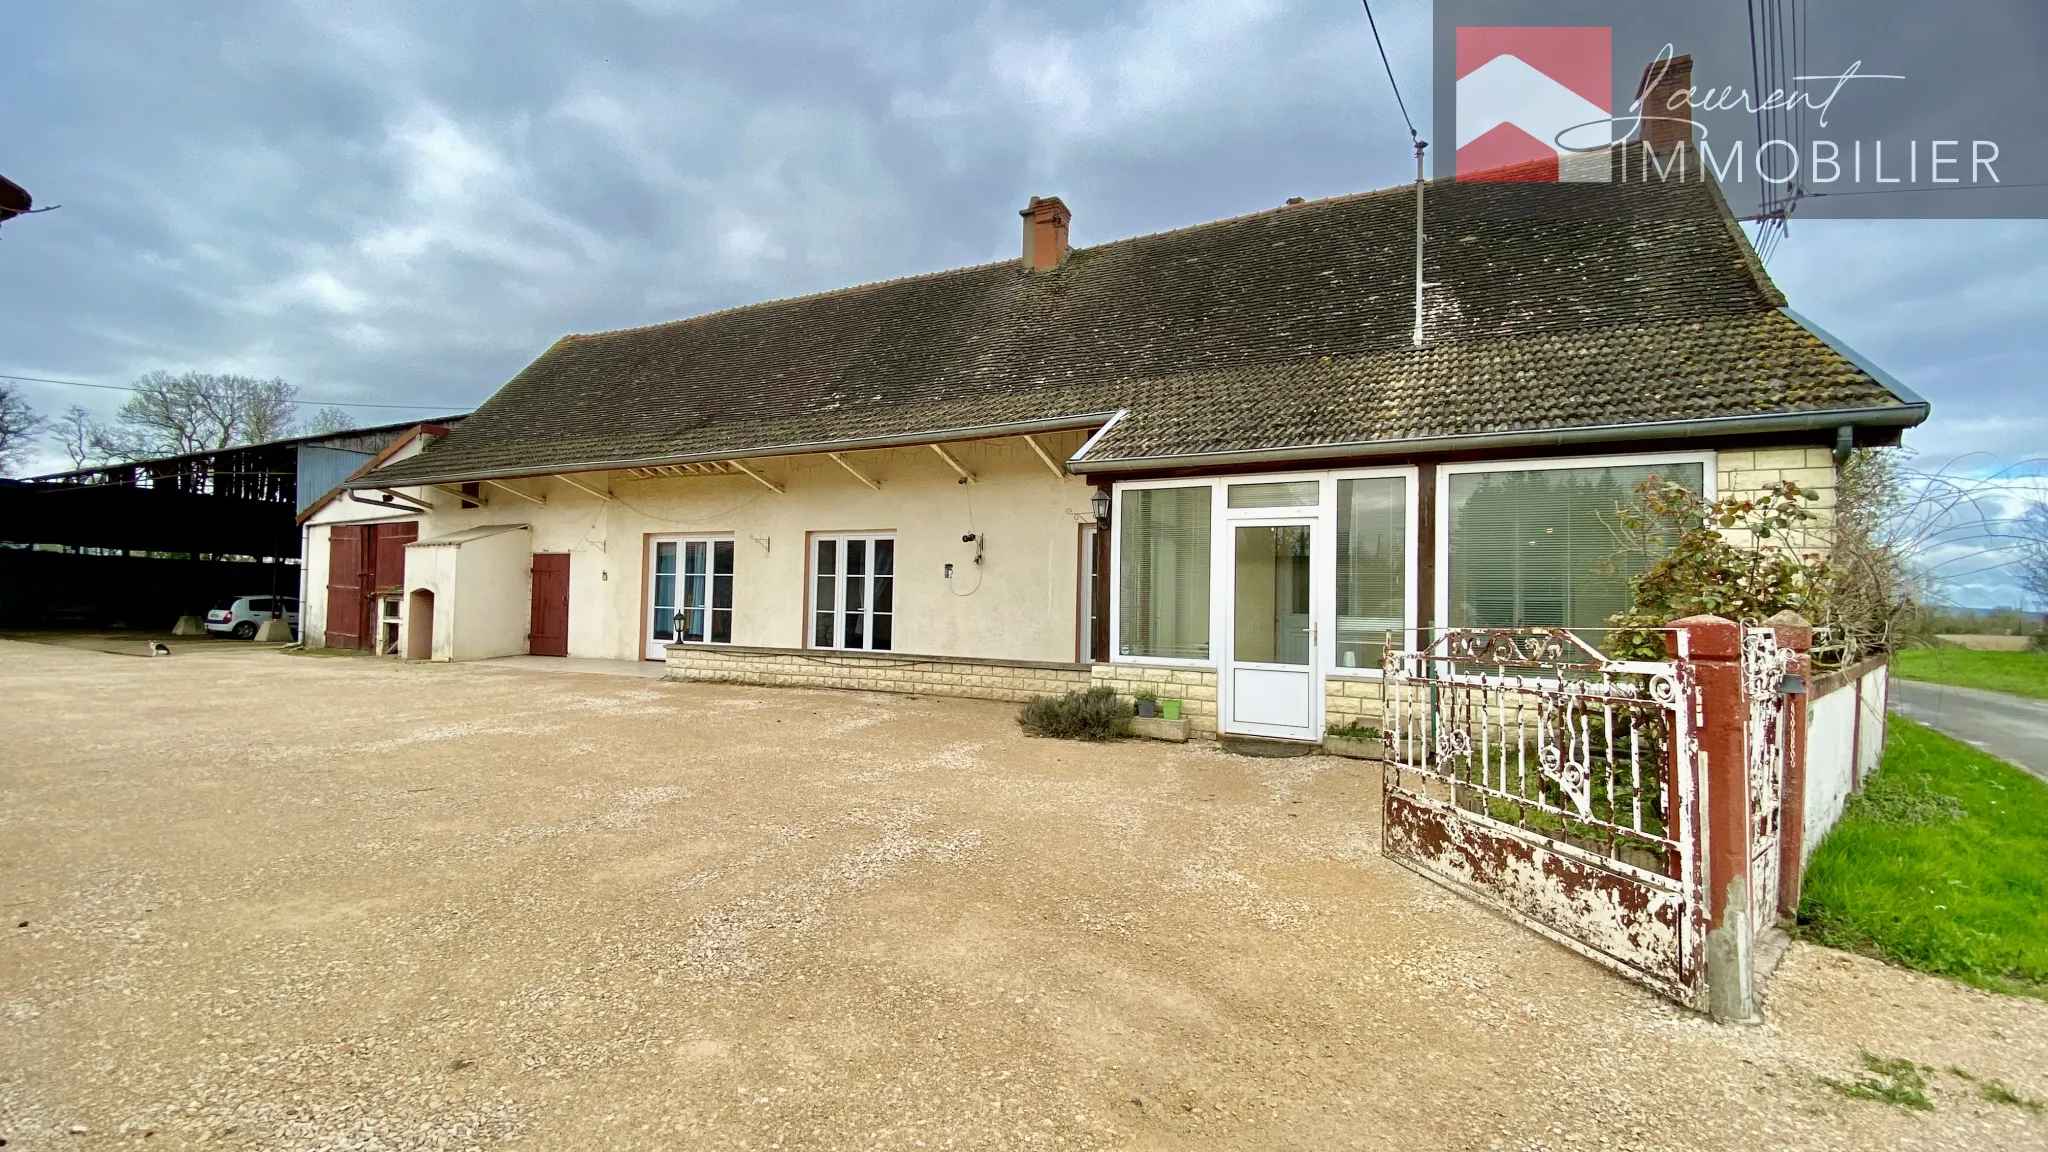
(1526, 769)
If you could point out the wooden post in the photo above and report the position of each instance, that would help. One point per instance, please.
(1424, 564)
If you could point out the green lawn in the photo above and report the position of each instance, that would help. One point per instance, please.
(2021, 673)
(1941, 864)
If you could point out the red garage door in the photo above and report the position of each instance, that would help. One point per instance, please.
(548, 634)
(348, 603)
(391, 540)
(362, 561)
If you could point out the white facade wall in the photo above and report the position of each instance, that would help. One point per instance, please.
(1020, 603)
(1842, 749)
(1830, 763)
(482, 592)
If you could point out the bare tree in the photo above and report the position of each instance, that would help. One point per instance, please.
(2033, 563)
(1873, 588)
(197, 411)
(19, 426)
(328, 421)
(80, 436)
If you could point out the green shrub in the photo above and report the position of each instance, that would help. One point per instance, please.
(1097, 714)
(1689, 567)
(1353, 731)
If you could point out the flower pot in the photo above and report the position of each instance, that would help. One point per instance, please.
(1368, 748)
(1169, 709)
(1147, 709)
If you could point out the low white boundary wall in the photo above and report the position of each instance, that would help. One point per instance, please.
(1845, 722)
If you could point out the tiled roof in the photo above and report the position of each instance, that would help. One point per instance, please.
(1615, 377)
(1547, 306)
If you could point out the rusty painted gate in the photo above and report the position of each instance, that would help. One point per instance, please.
(1767, 750)
(1529, 771)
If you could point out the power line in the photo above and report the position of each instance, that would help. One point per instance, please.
(1385, 63)
(321, 403)
(1926, 188)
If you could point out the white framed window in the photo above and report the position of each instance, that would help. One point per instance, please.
(1377, 521)
(689, 591)
(1163, 545)
(853, 591)
(1534, 542)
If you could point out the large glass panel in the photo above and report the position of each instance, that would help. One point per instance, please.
(1372, 567)
(1289, 494)
(854, 610)
(1272, 609)
(1539, 547)
(824, 604)
(661, 621)
(881, 632)
(694, 559)
(1090, 610)
(1164, 581)
(721, 591)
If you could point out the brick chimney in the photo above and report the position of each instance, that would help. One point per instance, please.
(1045, 233)
(1666, 95)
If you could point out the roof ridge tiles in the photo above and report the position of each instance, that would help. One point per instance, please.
(914, 277)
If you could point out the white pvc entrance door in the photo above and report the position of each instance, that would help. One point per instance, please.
(1273, 680)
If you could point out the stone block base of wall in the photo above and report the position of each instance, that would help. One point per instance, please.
(1195, 688)
(1016, 680)
(1348, 702)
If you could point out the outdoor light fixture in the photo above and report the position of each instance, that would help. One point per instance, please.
(1101, 500)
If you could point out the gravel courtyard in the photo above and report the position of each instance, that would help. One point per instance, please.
(264, 900)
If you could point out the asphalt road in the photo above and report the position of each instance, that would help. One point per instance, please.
(2014, 728)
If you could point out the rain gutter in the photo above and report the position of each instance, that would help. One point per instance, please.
(1832, 420)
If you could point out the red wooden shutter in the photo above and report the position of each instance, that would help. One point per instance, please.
(548, 633)
(391, 542)
(348, 603)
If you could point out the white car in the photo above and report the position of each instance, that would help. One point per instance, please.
(239, 616)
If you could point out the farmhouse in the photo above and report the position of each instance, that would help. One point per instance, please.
(1212, 463)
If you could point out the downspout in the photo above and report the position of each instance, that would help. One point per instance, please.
(1845, 444)
(305, 610)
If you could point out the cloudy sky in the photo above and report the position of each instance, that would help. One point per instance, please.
(404, 202)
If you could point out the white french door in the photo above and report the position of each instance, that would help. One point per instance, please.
(853, 592)
(689, 592)
(1273, 660)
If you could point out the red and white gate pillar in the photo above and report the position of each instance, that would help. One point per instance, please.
(1713, 646)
